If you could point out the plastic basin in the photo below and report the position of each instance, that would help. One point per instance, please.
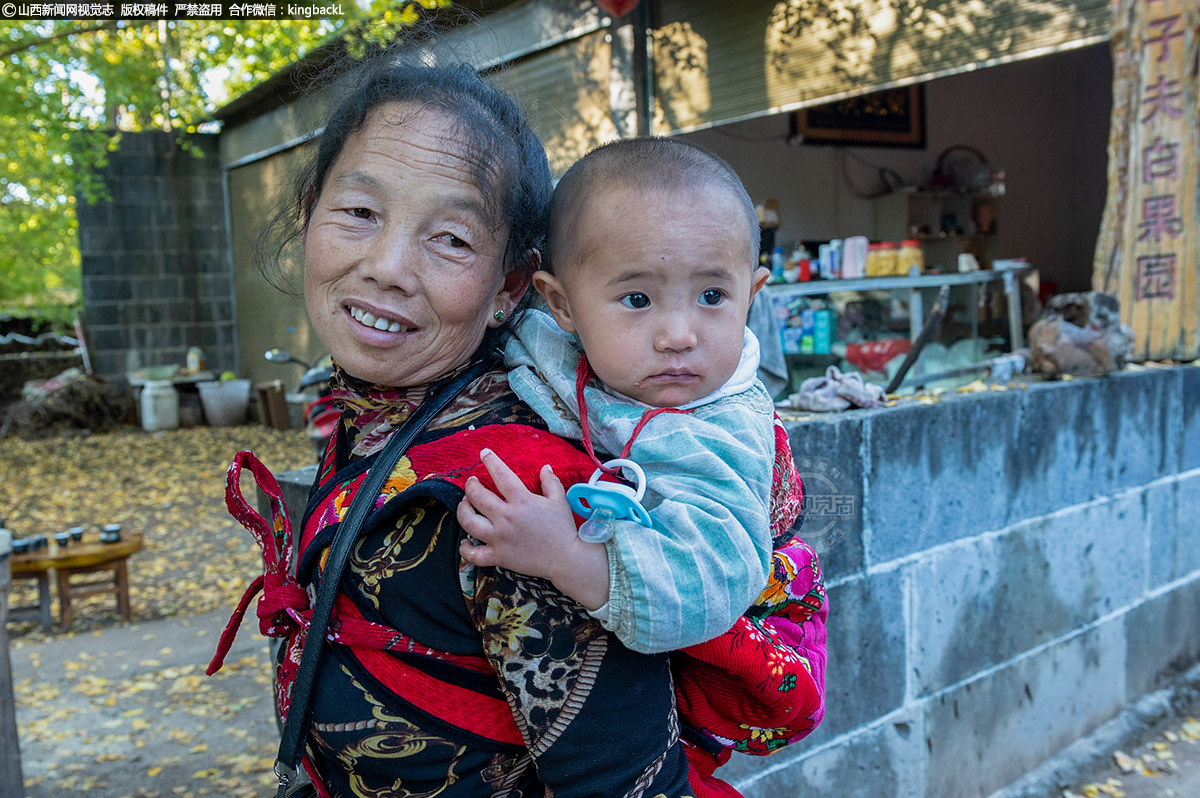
(225, 403)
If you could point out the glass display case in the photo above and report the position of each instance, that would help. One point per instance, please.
(869, 324)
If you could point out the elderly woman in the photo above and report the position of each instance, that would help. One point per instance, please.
(421, 218)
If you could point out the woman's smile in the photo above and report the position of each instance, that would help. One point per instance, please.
(378, 320)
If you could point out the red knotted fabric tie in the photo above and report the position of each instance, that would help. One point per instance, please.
(284, 607)
(283, 600)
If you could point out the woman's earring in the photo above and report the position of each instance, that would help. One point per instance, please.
(498, 315)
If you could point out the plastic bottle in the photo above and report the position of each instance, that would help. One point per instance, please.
(825, 261)
(881, 259)
(808, 324)
(160, 406)
(874, 263)
(196, 360)
(822, 331)
(777, 264)
(854, 256)
(835, 258)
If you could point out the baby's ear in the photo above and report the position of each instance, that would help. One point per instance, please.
(556, 298)
(761, 275)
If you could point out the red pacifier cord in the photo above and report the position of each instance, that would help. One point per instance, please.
(583, 374)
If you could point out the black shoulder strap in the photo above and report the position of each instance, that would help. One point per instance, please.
(295, 730)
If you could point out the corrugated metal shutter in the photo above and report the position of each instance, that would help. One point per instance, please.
(717, 62)
(567, 90)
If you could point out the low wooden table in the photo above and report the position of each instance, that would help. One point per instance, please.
(84, 557)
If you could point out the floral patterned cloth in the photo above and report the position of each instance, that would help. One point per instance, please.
(490, 683)
(760, 685)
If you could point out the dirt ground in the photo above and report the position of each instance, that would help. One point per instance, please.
(170, 486)
(125, 711)
(116, 710)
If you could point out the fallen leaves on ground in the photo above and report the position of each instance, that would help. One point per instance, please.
(147, 724)
(151, 718)
(167, 485)
(1154, 760)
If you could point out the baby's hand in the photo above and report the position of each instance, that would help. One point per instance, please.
(531, 534)
(519, 530)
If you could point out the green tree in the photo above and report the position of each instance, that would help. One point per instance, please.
(69, 89)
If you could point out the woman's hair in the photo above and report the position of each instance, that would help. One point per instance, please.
(513, 176)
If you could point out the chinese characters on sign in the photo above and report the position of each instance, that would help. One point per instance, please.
(1156, 277)
(1148, 247)
(1161, 223)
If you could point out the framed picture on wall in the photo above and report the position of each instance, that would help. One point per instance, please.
(888, 118)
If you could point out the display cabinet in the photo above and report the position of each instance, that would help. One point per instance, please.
(852, 313)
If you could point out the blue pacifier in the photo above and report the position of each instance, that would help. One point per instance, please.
(602, 503)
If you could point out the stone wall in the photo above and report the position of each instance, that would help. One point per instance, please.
(156, 274)
(1007, 571)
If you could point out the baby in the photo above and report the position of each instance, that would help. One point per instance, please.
(652, 266)
(653, 247)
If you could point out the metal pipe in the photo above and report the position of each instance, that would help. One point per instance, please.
(931, 326)
(643, 67)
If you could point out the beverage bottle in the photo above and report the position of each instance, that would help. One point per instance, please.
(777, 264)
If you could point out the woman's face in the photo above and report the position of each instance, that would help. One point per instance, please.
(402, 259)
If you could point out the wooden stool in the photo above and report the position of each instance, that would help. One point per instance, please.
(117, 584)
(84, 557)
(42, 608)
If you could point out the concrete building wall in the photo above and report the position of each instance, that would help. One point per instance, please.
(155, 265)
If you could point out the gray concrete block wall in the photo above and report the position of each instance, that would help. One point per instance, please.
(155, 266)
(1162, 637)
(891, 752)
(990, 731)
(981, 602)
(868, 655)
(1174, 545)
(918, 463)
(828, 460)
(1025, 567)
(1190, 393)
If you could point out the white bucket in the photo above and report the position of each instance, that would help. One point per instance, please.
(225, 403)
(160, 406)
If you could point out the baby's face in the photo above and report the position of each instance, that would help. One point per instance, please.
(658, 289)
